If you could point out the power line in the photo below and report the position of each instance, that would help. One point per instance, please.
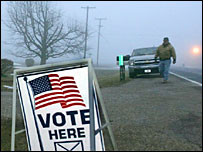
(86, 31)
(100, 19)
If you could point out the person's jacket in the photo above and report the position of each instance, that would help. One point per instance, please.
(165, 52)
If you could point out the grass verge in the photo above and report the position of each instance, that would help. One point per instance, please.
(6, 80)
(107, 78)
(6, 136)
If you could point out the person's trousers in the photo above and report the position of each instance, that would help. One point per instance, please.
(164, 66)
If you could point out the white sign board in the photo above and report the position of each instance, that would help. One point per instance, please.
(55, 107)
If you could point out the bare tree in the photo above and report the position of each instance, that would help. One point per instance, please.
(38, 30)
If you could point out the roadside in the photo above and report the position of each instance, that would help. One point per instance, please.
(144, 113)
(148, 115)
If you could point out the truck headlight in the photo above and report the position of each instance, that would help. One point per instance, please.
(131, 63)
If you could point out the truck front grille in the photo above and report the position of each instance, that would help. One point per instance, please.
(145, 62)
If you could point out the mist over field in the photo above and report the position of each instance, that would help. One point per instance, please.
(128, 25)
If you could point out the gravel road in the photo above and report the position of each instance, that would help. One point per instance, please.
(148, 115)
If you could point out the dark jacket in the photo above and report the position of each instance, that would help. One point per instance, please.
(165, 52)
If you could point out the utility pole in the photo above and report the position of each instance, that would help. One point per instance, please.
(100, 19)
(86, 31)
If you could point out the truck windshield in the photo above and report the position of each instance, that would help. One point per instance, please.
(144, 51)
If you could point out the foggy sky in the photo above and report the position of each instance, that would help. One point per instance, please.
(131, 25)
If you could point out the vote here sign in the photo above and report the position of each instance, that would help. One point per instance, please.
(55, 107)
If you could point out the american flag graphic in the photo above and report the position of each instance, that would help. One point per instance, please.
(52, 89)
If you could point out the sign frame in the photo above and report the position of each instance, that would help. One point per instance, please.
(91, 80)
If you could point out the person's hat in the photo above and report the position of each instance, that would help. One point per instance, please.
(166, 39)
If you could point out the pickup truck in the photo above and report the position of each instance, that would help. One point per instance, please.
(142, 61)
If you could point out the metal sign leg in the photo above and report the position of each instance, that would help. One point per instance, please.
(91, 107)
(13, 114)
(104, 112)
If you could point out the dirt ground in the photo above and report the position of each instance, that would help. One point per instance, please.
(147, 115)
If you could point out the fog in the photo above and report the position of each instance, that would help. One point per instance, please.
(130, 25)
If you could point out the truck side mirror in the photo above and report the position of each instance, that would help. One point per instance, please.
(126, 58)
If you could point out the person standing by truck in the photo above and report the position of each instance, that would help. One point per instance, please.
(165, 52)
